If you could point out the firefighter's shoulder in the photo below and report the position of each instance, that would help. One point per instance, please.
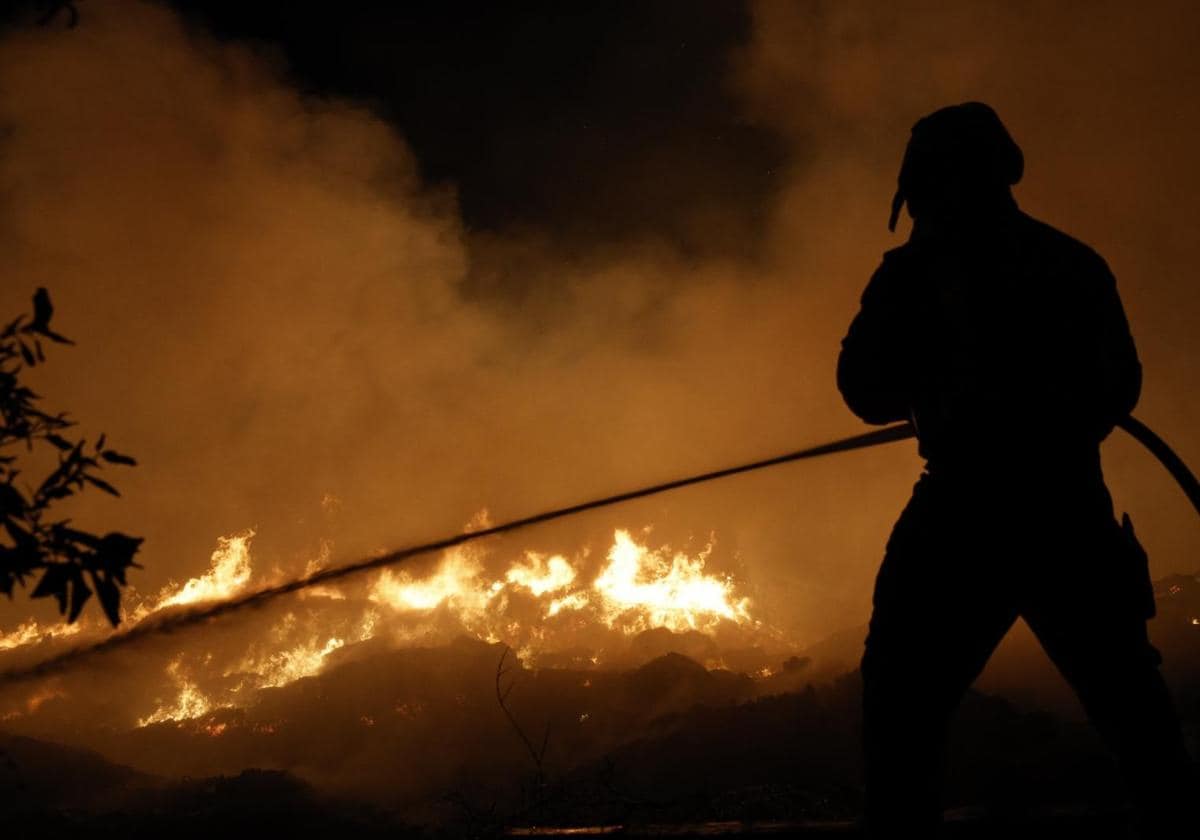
(897, 261)
(1063, 247)
(889, 279)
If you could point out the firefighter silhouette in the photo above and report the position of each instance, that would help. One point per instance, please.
(1005, 343)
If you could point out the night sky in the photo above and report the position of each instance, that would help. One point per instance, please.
(550, 116)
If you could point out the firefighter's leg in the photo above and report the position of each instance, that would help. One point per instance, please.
(1093, 625)
(936, 621)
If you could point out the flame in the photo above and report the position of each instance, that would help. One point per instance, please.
(645, 588)
(318, 564)
(456, 582)
(30, 633)
(638, 589)
(288, 666)
(227, 575)
(574, 601)
(190, 702)
(282, 665)
(540, 574)
(532, 603)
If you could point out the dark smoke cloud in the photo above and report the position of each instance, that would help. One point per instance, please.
(548, 118)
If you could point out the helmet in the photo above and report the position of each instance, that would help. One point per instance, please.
(964, 145)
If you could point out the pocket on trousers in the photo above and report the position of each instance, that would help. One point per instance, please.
(1136, 563)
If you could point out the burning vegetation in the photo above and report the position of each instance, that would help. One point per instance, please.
(590, 609)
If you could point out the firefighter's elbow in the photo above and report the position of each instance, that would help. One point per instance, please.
(856, 392)
(1132, 390)
(876, 414)
(869, 405)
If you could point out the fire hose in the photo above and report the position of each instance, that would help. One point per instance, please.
(198, 615)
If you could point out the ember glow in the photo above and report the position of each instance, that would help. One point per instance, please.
(34, 700)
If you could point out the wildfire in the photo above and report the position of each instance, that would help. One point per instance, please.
(190, 702)
(227, 575)
(30, 632)
(540, 574)
(574, 601)
(455, 581)
(532, 603)
(639, 588)
(285, 666)
(643, 588)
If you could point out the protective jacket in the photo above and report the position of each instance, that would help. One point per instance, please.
(1005, 339)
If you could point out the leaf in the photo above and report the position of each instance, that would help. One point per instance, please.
(62, 532)
(19, 535)
(12, 327)
(115, 553)
(42, 310)
(21, 560)
(110, 598)
(79, 596)
(61, 442)
(55, 477)
(53, 583)
(102, 484)
(117, 458)
(11, 500)
(27, 354)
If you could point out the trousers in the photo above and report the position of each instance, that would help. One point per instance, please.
(964, 561)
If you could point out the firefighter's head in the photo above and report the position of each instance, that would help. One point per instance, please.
(958, 159)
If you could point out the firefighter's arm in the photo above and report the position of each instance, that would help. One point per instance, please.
(870, 372)
(1116, 374)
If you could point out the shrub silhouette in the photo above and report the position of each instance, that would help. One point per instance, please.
(72, 564)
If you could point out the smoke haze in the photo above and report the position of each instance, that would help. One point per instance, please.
(283, 322)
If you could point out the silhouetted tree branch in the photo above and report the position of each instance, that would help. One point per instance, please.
(536, 754)
(72, 563)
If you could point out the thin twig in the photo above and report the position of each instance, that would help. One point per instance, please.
(502, 697)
